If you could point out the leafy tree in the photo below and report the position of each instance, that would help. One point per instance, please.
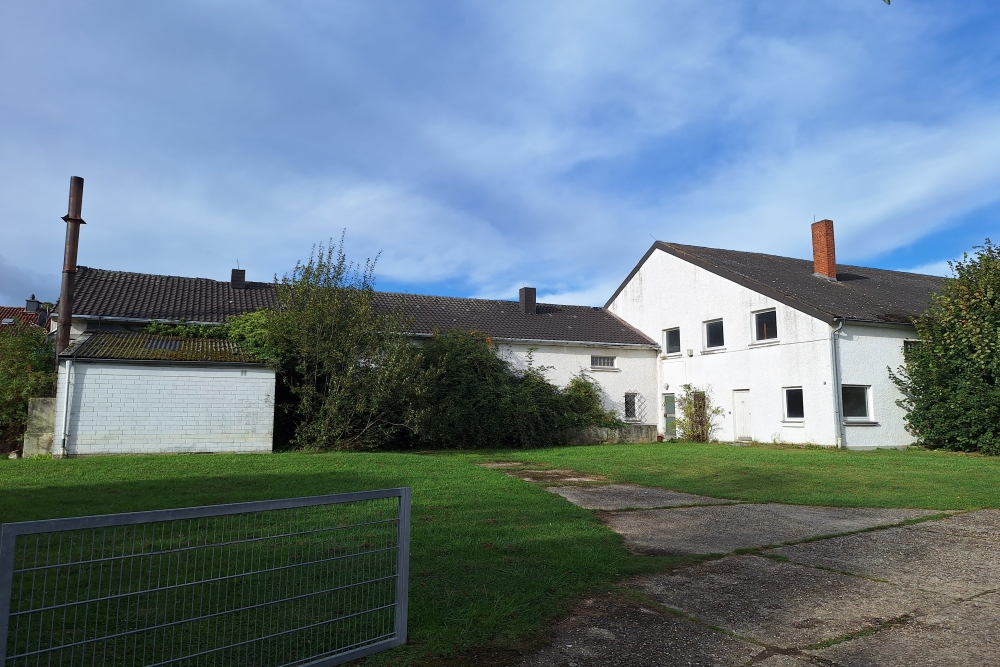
(582, 404)
(345, 363)
(187, 330)
(26, 371)
(949, 379)
(696, 418)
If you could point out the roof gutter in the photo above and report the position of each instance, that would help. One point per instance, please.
(548, 341)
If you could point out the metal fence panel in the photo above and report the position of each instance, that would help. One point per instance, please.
(303, 581)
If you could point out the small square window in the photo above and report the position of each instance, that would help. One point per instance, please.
(909, 346)
(767, 325)
(672, 341)
(794, 406)
(714, 336)
(855, 401)
(602, 362)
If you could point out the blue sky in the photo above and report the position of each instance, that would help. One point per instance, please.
(482, 146)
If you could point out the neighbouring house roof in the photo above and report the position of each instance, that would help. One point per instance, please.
(860, 294)
(117, 295)
(124, 346)
(8, 313)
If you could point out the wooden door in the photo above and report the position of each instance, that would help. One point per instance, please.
(742, 424)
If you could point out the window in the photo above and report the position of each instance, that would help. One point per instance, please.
(602, 362)
(909, 346)
(794, 407)
(630, 401)
(855, 401)
(767, 325)
(672, 341)
(713, 334)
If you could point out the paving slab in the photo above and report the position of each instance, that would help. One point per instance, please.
(984, 524)
(605, 631)
(782, 604)
(961, 634)
(912, 556)
(556, 477)
(629, 496)
(723, 528)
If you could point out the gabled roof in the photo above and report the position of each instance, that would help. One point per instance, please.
(18, 313)
(859, 294)
(121, 346)
(117, 295)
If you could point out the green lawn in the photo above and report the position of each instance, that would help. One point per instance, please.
(494, 559)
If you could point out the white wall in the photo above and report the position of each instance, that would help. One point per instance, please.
(669, 292)
(867, 352)
(120, 408)
(635, 371)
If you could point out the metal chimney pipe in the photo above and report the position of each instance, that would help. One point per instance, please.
(73, 222)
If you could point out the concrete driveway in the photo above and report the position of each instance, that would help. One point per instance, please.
(790, 585)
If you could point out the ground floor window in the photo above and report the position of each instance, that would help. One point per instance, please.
(602, 362)
(630, 406)
(855, 402)
(794, 407)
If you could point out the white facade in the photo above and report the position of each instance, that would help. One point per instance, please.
(147, 408)
(632, 370)
(749, 378)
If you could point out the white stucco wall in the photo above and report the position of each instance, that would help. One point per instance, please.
(867, 352)
(669, 292)
(119, 408)
(635, 371)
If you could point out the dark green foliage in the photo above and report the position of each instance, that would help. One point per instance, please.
(471, 397)
(187, 330)
(27, 370)
(696, 418)
(950, 378)
(345, 363)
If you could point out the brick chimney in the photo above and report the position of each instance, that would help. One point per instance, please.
(527, 299)
(239, 279)
(824, 250)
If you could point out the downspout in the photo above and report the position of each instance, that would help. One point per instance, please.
(66, 403)
(838, 407)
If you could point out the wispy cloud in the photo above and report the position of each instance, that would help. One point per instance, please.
(478, 147)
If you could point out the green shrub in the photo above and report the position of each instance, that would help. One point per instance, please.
(949, 379)
(696, 418)
(27, 364)
(187, 330)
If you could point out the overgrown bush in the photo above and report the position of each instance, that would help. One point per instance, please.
(949, 379)
(27, 364)
(346, 365)
(470, 397)
(696, 415)
(188, 330)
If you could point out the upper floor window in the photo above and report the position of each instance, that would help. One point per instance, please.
(909, 346)
(602, 362)
(672, 341)
(766, 325)
(714, 336)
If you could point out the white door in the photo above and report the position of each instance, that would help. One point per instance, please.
(741, 415)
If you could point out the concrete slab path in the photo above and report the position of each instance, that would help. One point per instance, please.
(822, 586)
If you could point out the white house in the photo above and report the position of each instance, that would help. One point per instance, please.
(793, 351)
(123, 391)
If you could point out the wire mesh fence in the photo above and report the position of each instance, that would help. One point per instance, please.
(304, 581)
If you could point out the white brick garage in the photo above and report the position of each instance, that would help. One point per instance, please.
(216, 402)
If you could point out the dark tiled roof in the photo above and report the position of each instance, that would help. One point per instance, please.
(115, 294)
(503, 319)
(17, 313)
(146, 347)
(143, 296)
(860, 293)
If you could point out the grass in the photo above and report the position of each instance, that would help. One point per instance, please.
(494, 559)
(787, 474)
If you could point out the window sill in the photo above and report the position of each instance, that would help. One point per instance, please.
(788, 423)
(604, 369)
(860, 422)
(672, 355)
(765, 343)
(713, 350)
